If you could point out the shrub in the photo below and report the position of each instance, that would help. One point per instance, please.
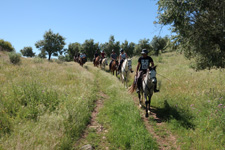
(14, 57)
(6, 46)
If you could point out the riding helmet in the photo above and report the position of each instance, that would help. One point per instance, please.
(144, 51)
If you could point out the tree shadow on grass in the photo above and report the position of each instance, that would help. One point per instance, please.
(170, 112)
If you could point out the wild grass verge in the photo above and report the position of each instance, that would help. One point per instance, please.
(44, 105)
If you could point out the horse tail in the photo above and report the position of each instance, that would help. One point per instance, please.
(133, 87)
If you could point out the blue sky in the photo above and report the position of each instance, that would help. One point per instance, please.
(24, 22)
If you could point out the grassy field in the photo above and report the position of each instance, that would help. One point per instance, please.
(191, 103)
(43, 105)
(47, 105)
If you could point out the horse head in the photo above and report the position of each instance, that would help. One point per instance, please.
(129, 61)
(152, 74)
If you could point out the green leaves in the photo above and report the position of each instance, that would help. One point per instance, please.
(199, 27)
(52, 44)
(27, 51)
(6, 46)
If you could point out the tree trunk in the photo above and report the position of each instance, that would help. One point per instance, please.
(49, 56)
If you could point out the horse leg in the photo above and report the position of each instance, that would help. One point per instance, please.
(150, 98)
(146, 103)
(139, 96)
(126, 80)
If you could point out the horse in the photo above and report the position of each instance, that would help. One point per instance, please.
(97, 61)
(104, 63)
(76, 58)
(147, 88)
(125, 69)
(114, 66)
(81, 61)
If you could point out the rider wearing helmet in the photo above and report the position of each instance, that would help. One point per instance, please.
(95, 56)
(102, 56)
(143, 64)
(113, 57)
(122, 57)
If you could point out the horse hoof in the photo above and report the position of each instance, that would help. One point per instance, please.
(146, 115)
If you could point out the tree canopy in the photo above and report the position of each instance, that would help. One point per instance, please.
(73, 49)
(52, 44)
(27, 51)
(143, 44)
(200, 28)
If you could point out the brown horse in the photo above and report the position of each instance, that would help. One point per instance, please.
(81, 61)
(97, 61)
(114, 66)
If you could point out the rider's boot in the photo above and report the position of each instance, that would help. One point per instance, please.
(155, 88)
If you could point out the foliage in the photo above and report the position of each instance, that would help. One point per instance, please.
(73, 49)
(42, 54)
(159, 43)
(143, 44)
(199, 26)
(89, 48)
(52, 44)
(27, 51)
(110, 45)
(6, 46)
(14, 57)
(128, 48)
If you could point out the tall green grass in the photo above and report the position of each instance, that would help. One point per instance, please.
(44, 105)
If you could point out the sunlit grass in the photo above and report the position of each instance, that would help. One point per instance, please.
(44, 105)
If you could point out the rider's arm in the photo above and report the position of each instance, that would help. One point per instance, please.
(152, 64)
(126, 55)
(138, 66)
(120, 58)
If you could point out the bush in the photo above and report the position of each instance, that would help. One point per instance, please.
(14, 57)
(6, 46)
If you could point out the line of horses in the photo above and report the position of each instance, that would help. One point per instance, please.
(148, 80)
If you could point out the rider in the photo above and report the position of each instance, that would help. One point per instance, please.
(143, 64)
(113, 57)
(84, 57)
(95, 56)
(122, 57)
(102, 56)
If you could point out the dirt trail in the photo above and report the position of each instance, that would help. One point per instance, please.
(83, 143)
(165, 139)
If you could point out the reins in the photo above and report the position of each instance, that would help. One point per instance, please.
(164, 77)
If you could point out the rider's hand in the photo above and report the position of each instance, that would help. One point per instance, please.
(136, 74)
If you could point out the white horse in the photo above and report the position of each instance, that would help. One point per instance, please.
(125, 70)
(148, 84)
(104, 63)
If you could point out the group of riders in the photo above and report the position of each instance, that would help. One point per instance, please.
(144, 62)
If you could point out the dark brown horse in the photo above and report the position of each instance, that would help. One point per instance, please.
(81, 61)
(97, 61)
(114, 66)
(76, 59)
